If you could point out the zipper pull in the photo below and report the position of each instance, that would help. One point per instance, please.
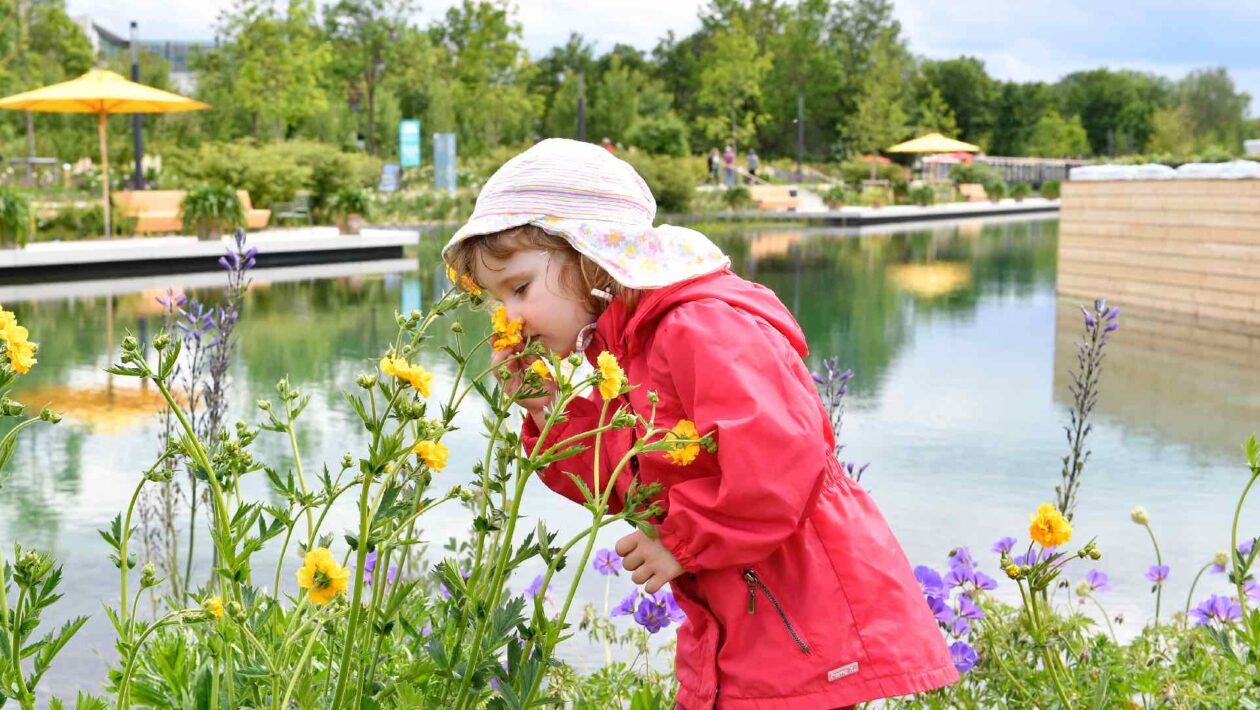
(751, 580)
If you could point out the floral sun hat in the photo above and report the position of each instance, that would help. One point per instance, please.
(599, 204)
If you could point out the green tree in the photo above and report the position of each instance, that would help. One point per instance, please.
(730, 85)
(367, 36)
(1216, 111)
(1055, 137)
(932, 114)
(804, 66)
(971, 94)
(1114, 106)
(278, 60)
(1019, 109)
(1172, 132)
(880, 119)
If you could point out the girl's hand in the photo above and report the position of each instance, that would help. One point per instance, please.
(651, 562)
(534, 406)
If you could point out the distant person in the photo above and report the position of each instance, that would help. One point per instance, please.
(753, 163)
(715, 162)
(608, 145)
(728, 161)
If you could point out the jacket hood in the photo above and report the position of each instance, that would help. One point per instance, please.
(626, 330)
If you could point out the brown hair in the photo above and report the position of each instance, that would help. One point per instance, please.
(579, 276)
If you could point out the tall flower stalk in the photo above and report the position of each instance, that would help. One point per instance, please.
(1100, 323)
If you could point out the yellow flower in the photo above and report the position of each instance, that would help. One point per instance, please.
(322, 576)
(420, 378)
(683, 454)
(214, 605)
(507, 331)
(1049, 528)
(20, 351)
(613, 377)
(465, 282)
(433, 453)
(540, 368)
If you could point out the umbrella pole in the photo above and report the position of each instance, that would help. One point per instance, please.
(102, 130)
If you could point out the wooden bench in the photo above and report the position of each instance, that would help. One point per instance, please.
(157, 211)
(780, 198)
(973, 191)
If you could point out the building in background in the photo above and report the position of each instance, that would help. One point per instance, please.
(178, 53)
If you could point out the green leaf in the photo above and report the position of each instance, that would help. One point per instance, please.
(1252, 450)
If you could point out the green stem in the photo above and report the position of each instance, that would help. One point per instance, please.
(361, 555)
(297, 672)
(124, 686)
(1190, 594)
(19, 620)
(1105, 617)
(1233, 544)
(123, 567)
(1159, 560)
(301, 477)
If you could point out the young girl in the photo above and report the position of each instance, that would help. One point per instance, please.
(796, 592)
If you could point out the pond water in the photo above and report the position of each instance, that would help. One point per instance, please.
(959, 345)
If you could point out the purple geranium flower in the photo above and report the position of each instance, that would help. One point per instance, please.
(929, 581)
(1157, 574)
(961, 557)
(1097, 581)
(626, 606)
(535, 588)
(655, 612)
(607, 562)
(963, 656)
(369, 569)
(1033, 557)
(940, 610)
(984, 581)
(1244, 547)
(1004, 545)
(960, 627)
(958, 576)
(968, 609)
(1252, 589)
(1217, 608)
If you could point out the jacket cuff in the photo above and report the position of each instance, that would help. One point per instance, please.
(674, 542)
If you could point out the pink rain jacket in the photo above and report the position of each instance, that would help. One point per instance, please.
(797, 593)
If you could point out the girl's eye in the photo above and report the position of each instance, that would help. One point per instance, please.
(519, 290)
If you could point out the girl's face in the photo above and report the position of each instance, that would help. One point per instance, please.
(528, 283)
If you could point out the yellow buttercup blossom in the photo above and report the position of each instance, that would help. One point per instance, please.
(323, 576)
(433, 453)
(465, 282)
(420, 378)
(540, 368)
(1049, 528)
(507, 331)
(683, 454)
(19, 350)
(610, 371)
(214, 605)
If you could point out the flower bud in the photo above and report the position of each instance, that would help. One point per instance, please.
(1221, 559)
(622, 420)
(347, 461)
(264, 404)
(1012, 570)
(457, 327)
(1082, 589)
(575, 359)
(1095, 555)
(402, 321)
(653, 397)
(1139, 516)
(148, 576)
(161, 342)
(10, 408)
(366, 381)
(130, 343)
(213, 608)
(49, 416)
(236, 612)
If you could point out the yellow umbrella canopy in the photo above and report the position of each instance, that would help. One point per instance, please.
(933, 143)
(101, 92)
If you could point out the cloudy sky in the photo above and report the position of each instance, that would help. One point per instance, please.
(1021, 41)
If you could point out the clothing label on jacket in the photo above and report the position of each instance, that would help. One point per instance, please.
(838, 673)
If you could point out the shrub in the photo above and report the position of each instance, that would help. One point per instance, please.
(210, 210)
(855, 171)
(660, 135)
(1050, 189)
(1021, 190)
(672, 180)
(71, 222)
(923, 195)
(997, 190)
(348, 201)
(736, 197)
(15, 217)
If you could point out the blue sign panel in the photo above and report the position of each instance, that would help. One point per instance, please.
(409, 143)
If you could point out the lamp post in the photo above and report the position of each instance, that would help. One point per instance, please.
(137, 179)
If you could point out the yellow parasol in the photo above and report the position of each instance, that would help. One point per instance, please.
(933, 143)
(101, 92)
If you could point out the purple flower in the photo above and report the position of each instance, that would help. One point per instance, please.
(961, 557)
(1217, 608)
(626, 606)
(984, 581)
(958, 576)
(960, 627)
(1252, 589)
(1004, 545)
(654, 611)
(535, 588)
(1031, 558)
(1089, 318)
(1244, 547)
(963, 656)
(940, 610)
(369, 569)
(1112, 326)
(1157, 574)
(607, 562)
(818, 378)
(675, 612)
(929, 581)
(1097, 581)
(968, 609)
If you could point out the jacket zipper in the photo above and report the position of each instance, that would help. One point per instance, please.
(754, 582)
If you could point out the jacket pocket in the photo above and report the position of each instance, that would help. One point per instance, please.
(757, 585)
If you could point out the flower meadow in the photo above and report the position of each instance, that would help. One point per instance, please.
(376, 617)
